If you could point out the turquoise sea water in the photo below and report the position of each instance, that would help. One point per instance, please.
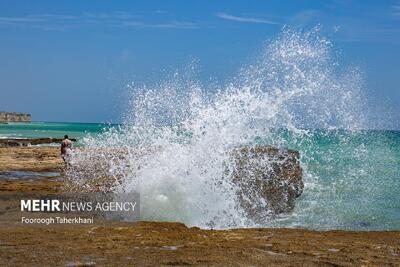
(39, 129)
(352, 178)
(352, 181)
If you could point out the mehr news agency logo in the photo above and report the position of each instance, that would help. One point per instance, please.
(120, 210)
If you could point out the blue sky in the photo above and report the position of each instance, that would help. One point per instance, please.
(71, 60)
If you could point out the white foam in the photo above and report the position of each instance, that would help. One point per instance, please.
(185, 134)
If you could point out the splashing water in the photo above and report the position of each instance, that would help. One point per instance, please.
(174, 144)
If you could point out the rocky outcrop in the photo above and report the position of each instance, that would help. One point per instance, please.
(16, 142)
(14, 117)
(269, 180)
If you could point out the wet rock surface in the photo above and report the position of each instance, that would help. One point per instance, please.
(174, 244)
(37, 159)
(261, 173)
(18, 142)
(269, 179)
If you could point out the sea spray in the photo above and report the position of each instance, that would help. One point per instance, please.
(174, 145)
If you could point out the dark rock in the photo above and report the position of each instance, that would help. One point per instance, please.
(269, 180)
(16, 142)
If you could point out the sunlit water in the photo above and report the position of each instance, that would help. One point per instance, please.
(37, 129)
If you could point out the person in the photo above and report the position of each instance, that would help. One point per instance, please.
(66, 148)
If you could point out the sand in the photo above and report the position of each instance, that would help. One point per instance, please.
(107, 243)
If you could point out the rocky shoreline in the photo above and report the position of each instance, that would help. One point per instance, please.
(107, 243)
(174, 244)
(36, 159)
(20, 142)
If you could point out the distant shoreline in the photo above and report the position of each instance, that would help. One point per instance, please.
(6, 117)
(109, 124)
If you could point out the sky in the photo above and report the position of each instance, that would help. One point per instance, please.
(71, 60)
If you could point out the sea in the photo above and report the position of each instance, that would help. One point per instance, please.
(295, 94)
(351, 178)
(39, 129)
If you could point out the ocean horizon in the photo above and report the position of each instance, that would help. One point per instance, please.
(57, 129)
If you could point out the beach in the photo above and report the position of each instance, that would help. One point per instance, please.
(144, 243)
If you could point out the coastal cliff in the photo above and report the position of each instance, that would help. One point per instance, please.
(14, 117)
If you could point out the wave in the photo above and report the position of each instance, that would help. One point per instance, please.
(295, 85)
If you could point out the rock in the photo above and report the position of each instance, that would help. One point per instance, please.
(269, 180)
(16, 142)
(15, 117)
(36, 159)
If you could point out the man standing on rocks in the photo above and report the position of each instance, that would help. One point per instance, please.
(66, 148)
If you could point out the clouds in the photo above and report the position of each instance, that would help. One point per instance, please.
(396, 10)
(18, 20)
(112, 19)
(360, 24)
(226, 16)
